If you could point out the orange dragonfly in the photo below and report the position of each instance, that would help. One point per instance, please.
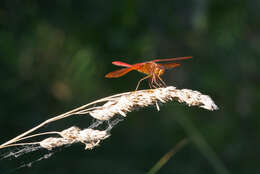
(152, 69)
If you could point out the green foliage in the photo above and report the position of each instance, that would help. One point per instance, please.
(54, 55)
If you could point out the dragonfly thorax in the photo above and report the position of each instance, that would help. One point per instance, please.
(158, 71)
(152, 68)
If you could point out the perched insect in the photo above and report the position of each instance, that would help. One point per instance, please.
(152, 69)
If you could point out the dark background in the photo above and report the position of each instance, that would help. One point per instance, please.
(54, 55)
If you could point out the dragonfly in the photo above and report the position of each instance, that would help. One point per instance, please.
(152, 69)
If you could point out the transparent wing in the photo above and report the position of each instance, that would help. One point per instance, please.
(118, 73)
(170, 65)
(171, 59)
(118, 63)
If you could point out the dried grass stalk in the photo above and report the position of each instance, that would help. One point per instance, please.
(89, 137)
(138, 99)
(119, 104)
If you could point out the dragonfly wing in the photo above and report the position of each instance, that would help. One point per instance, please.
(170, 65)
(118, 63)
(118, 73)
(171, 59)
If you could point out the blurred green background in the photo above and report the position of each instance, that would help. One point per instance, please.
(54, 55)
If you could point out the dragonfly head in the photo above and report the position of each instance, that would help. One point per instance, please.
(159, 71)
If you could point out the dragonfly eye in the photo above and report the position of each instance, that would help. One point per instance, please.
(161, 71)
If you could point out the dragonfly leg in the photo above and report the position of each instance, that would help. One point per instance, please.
(153, 82)
(156, 83)
(141, 80)
(163, 83)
